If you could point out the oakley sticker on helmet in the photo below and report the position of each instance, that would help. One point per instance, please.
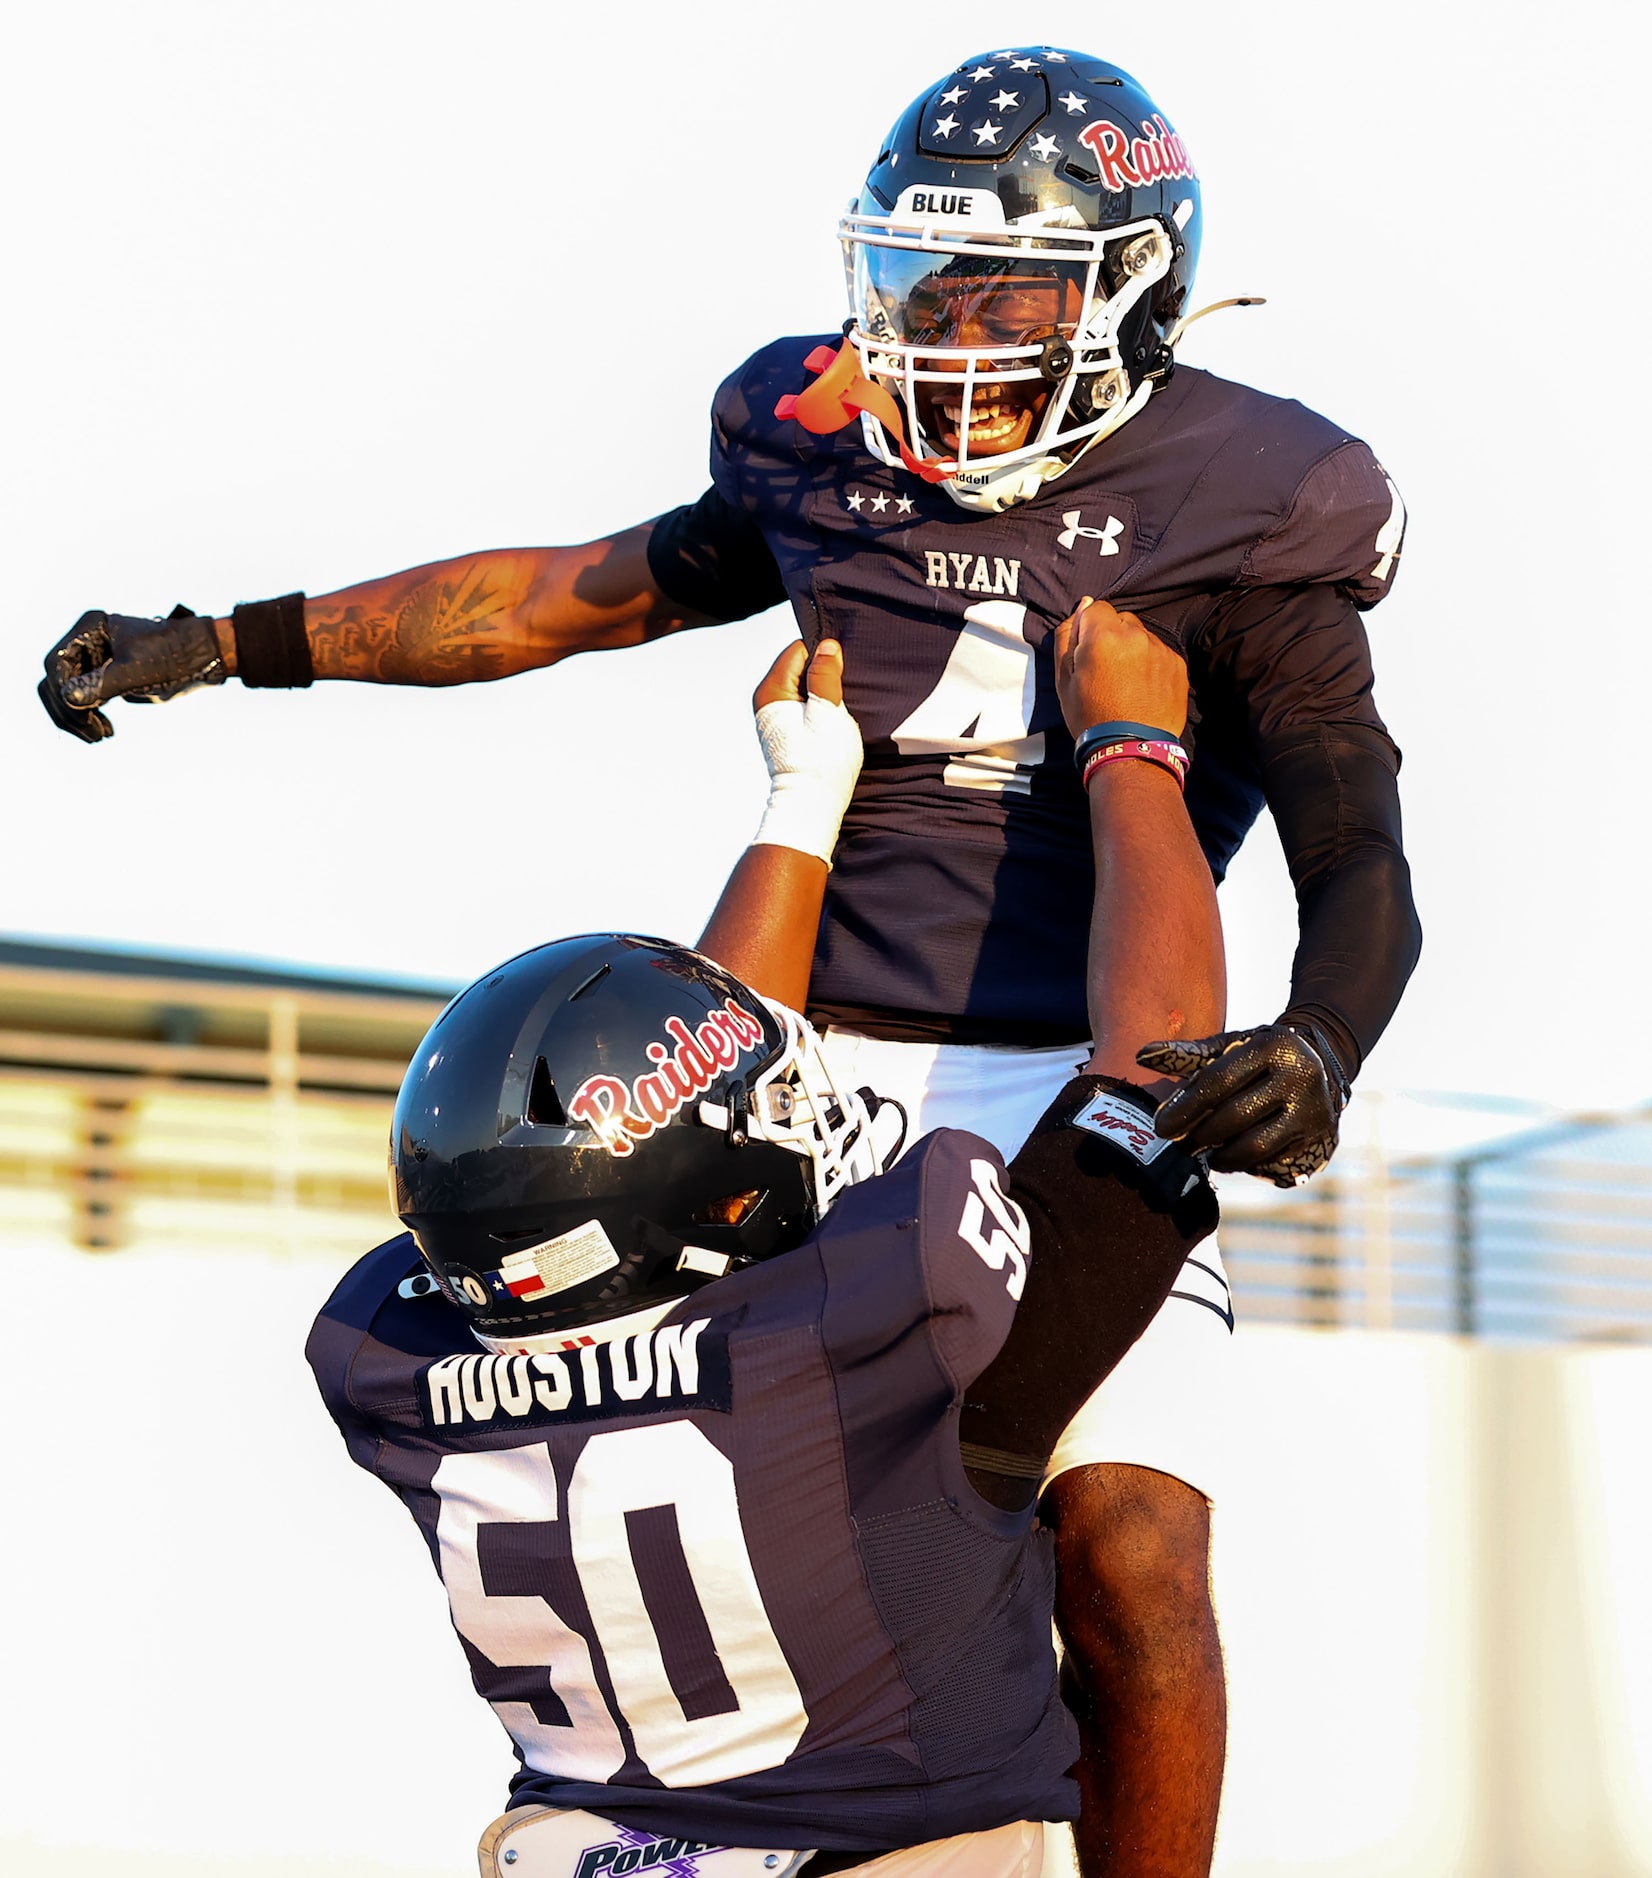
(621, 1114)
(1127, 163)
(539, 1271)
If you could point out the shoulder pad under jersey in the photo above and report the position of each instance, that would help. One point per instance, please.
(744, 428)
(1298, 500)
(368, 1306)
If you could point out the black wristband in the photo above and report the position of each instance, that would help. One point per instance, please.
(1098, 736)
(272, 650)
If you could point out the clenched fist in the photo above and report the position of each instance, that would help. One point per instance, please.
(113, 655)
(1110, 668)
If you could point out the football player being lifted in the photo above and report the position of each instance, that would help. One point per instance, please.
(1001, 430)
(725, 1441)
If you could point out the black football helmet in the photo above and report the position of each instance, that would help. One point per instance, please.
(606, 1123)
(1018, 260)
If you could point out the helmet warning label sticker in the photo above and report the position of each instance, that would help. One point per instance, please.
(540, 1271)
(670, 1366)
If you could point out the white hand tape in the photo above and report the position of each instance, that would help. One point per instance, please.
(813, 751)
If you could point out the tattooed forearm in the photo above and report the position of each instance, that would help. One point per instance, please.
(435, 626)
(488, 615)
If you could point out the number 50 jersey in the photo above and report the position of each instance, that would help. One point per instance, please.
(723, 1576)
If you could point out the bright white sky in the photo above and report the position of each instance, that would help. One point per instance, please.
(307, 293)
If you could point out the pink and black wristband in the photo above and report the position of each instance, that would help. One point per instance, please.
(1098, 736)
(1165, 752)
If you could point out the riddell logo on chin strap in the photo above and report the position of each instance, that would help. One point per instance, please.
(1108, 536)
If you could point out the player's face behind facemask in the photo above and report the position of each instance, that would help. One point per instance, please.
(609, 1122)
(1029, 309)
(1038, 162)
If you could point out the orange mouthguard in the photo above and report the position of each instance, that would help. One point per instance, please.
(837, 397)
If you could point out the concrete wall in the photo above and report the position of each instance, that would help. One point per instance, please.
(225, 1652)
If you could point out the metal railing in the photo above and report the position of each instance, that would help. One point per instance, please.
(1546, 1236)
(154, 1102)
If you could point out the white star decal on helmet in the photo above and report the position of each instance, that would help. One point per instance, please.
(1022, 65)
(1044, 148)
(1056, 58)
(981, 72)
(1006, 101)
(945, 126)
(1005, 55)
(987, 133)
(952, 96)
(1073, 102)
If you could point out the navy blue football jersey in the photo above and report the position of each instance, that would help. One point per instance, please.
(725, 1576)
(962, 880)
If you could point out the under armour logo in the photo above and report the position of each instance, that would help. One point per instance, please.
(1108, 536)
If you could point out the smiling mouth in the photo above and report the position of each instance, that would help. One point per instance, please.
(996, 424)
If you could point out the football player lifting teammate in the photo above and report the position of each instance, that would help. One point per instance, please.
(709, 1500)
(1001, 429)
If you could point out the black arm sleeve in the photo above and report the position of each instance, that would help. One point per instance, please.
(1285, 674)
(711, 557)
(1114, 1212)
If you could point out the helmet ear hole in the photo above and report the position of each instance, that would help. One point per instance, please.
(732, 1209)
(545, 1108)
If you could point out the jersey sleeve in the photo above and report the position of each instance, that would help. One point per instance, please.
(974, 1244)
(710, 556)
(343, 1329)
(1112, 1212)
(1344, 526)
(1284, 674)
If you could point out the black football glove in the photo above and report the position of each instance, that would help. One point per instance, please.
(112, 655)
(1263, 1101)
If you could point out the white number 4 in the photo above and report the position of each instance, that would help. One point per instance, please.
(978, 713)
(1007, 1241)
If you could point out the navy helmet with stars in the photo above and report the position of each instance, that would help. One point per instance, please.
(1019, 258)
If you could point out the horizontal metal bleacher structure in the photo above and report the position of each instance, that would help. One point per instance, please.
(160, 1101)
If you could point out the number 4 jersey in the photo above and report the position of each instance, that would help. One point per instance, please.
(1246, 529)
(719, 1570)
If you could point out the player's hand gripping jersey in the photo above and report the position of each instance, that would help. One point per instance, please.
(1245, 529)
(724, 1574)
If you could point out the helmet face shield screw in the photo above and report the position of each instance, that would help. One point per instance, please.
(1056, 360)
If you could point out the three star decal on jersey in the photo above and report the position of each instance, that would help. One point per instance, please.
(856, 501)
